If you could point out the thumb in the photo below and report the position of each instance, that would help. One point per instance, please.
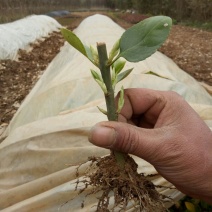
(127, 138)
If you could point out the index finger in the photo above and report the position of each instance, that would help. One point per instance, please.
(142, 102)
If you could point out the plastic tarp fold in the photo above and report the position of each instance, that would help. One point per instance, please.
(48, 135)
(19, 34)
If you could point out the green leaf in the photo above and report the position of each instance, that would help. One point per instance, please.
(74, 41)
(96, 75)
(89, 54)
(114, 51)
(119, 65)
(113, 78)
(102, 85)
(153, 73)
(95, 56)
(143, 39)
(121, 100)
(190, 206)
(124, 75)
(102, 110)
(99, 80)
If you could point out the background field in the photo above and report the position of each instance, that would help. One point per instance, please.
(198, 12)
(189, 47)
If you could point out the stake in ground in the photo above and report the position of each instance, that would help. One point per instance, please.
(117, 173)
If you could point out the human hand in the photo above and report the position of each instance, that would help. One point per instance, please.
(161, 128)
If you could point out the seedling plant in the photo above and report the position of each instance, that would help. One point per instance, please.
(117, 173)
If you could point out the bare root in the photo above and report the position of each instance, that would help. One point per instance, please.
(120, 188)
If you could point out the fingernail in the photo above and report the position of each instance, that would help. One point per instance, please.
(102, 136)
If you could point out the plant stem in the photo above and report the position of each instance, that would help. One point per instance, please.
(109, 96)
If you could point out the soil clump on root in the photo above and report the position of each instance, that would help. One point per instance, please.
(121, 187)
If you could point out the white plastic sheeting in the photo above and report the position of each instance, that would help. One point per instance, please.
(19, 34)
(49, 131)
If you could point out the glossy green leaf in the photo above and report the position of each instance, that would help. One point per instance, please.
(143, 39)
(74, 41)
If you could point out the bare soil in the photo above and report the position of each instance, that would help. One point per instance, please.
(190, 48)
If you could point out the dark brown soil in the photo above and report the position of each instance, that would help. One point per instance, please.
(190, 48)
(18, 77)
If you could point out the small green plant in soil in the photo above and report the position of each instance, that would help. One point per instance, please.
(117, 173)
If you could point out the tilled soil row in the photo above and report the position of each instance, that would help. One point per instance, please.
(190, 48)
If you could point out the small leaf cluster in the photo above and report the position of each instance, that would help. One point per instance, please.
(73, 40)
(117, 67)
(117, 74)
(136, 44)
